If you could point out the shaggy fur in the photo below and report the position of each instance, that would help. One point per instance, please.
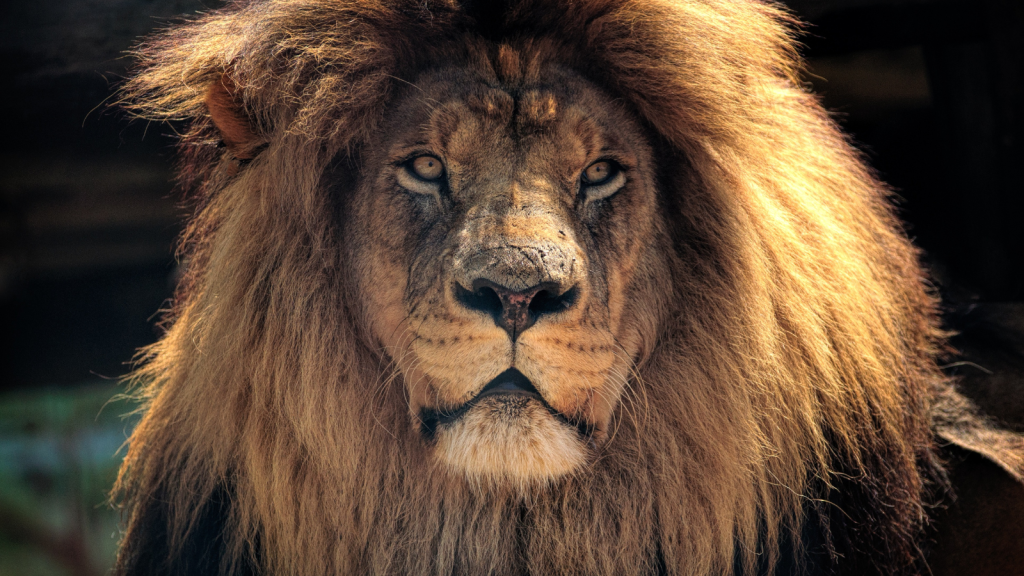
(784, 405)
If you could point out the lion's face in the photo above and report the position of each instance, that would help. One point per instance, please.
(500, 235)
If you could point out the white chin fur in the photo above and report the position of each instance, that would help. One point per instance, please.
(516, 442)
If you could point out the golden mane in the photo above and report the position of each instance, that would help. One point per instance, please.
(796, 366)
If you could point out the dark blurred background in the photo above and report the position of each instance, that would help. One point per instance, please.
(931, 90)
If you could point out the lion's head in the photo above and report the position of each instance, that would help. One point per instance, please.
(504, 232)
(581, 288)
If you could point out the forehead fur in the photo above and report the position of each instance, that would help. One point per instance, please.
(536, 107)
(439, 105)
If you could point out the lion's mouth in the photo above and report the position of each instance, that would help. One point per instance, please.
(512, 390)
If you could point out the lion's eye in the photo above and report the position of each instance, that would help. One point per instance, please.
(598, 172)
(602, 179)
(427, 167)
(422, 175)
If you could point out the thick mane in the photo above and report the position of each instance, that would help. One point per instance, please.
(797, 366)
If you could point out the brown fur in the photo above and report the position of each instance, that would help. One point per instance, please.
(781, 337)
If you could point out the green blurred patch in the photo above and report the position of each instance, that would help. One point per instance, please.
(59, 453)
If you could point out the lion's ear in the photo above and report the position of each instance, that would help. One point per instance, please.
(228, 113)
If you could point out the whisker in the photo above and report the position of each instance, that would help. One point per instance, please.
(636, 384)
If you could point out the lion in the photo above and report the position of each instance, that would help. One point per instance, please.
(560, 287)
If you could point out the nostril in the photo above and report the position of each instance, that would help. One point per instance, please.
(548, 302)
(515, 310)
(482, 298)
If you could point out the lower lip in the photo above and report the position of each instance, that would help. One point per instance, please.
(431, 419)
(512, 390)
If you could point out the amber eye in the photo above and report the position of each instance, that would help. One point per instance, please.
(427, 167)
(598, 172)
(601, 180)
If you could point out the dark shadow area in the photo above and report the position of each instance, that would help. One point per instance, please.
(933, 92)
(88, 216)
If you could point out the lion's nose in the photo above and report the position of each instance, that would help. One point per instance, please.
(516, 310)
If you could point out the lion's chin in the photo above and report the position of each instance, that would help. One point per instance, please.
(514, 440)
